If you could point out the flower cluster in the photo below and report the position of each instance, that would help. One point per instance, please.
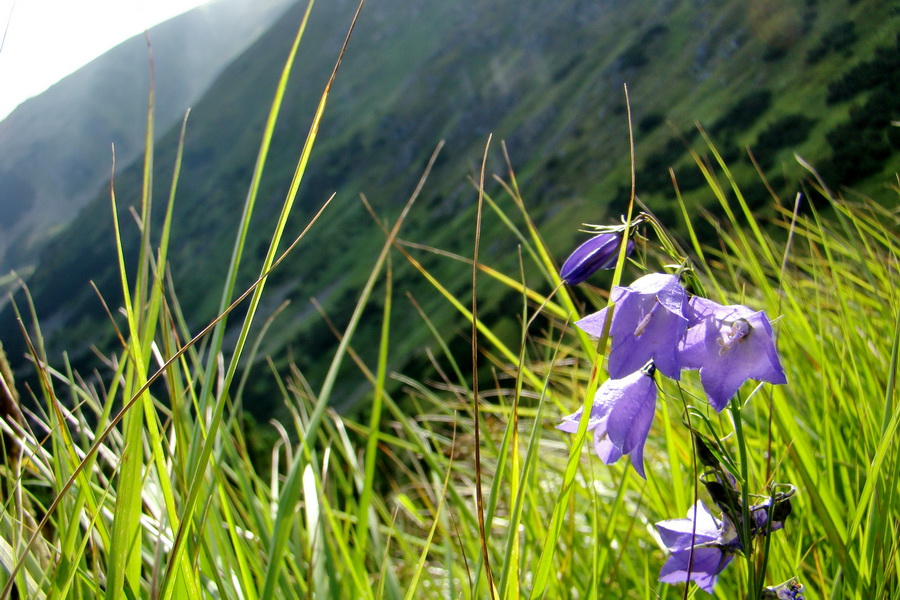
(702, 546)
(656, 326)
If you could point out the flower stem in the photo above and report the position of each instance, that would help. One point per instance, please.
(753, 593)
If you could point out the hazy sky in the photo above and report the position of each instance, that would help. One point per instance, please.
(48, 39)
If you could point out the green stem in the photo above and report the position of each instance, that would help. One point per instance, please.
(744, 528)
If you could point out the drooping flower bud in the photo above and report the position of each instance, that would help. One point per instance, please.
(599, 252)
(778, 506)
(704, 453)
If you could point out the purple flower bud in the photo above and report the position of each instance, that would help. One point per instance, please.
(759, 515)
(599, 252)
(789, 590)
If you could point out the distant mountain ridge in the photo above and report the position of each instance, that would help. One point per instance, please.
(55, 149)
(546, 77)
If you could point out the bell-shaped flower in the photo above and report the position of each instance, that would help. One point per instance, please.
(729, 344)
(647, 324)
(599, 252)
(620, 418)
(701, 547)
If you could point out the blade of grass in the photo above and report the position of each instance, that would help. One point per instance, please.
(197, 479)
(420, 566)
(246, 215)
(126, 408)
(479, 490)
(362, 515)
(556, 521)
(124, 569)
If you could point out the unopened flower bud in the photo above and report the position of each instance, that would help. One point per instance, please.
(599, 252)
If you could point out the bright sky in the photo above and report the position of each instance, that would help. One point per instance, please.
(48, 39)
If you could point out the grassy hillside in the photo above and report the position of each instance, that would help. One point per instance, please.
(152, 482)
(55, 149)
(546, 77)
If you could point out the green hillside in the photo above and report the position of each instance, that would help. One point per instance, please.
(781, 78)
(55, 148)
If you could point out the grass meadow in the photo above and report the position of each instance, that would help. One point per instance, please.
(141, 481)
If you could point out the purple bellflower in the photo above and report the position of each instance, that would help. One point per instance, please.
(620, 418)
(599, 252)
(648, 323)
(729, 344)
(789, 590)
(701, 547)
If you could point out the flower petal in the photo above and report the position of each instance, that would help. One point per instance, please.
(594, 323)
(603, 403)
(629, 420)
(678, 534)
(700, 565)
(633, 400)
(658, 342)
(604, 448)
(648, 324)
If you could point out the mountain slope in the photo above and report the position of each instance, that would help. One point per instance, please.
(55, 148)
(546, 77)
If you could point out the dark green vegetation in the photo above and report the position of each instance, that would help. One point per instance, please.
(545, 77)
